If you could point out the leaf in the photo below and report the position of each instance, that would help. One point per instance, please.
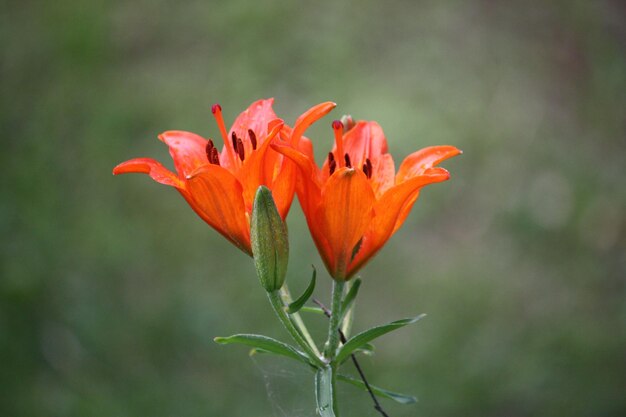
(265, 344)
(350, 297)
(324, 391)
(367, 350)
(362, 338)
(400, 398)
(295, 306)
(316, 310)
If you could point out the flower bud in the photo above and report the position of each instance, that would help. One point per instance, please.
(270, 245)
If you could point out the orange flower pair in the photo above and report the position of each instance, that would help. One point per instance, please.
(353, 204)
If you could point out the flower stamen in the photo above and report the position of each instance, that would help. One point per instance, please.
(216, 109)
(234, 140)
(240, 150)
(338, 130)
(211, 153)
(252, 138)
(332, 164)
(367, 168)
(347, 159)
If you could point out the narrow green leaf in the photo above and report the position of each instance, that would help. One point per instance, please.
(401, 398)
(315, 310)
(295, 306)
(350, 297)
(367, 349)
(324, 391)
(264, 343)
(362, 338)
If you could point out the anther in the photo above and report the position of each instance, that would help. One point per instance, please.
(332, 164)
(208, 148)
(234, 138)
(215, 157)
(215, 108)
(252, 138)
(368, 164)
(240, 150)
(347, 158)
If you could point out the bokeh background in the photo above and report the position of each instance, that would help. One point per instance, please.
(111, 289)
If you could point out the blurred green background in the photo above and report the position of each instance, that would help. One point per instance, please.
(111, 289)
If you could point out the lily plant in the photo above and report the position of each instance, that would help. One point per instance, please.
(353, 204)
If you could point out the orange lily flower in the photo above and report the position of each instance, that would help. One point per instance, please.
(220, 186)
(357, 201)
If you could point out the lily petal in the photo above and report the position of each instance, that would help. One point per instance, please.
(344, 213)
(417, 162)
(256, 118)
(253, 173)
(151, 167)
(391, 211)
(188, 150)
(216, 195)
(308, 118)
(309, 188)
(364, 140)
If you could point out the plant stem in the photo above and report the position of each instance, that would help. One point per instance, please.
(298, 322)
(333, 326)
(346, 326)
(342, 336)
(279, 308)
(333, 338)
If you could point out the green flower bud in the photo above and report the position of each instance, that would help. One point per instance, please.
(270, 245)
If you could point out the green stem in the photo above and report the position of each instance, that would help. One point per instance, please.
(298, 322)
(279, 309)
(333, 325)
(348, 317)
(333, 338)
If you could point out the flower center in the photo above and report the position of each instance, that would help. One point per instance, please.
(332, 162)
(235, 147)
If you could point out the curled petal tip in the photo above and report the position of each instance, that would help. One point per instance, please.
(437, 172)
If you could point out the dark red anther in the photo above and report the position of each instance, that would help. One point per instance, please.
(252, 138)
(367, 168)
(234, 138)
(332, 164)
(208, 148)
(347, 158)
(240, 150)
(215, 108)
(214, 158)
